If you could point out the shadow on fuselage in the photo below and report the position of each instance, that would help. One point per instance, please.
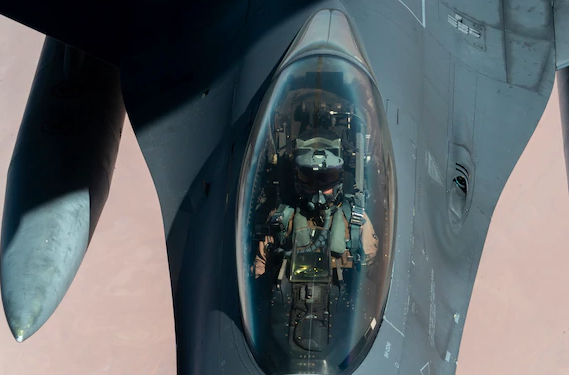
(205, 41)
(202, 251)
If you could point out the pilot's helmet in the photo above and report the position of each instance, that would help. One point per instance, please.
(318, 168)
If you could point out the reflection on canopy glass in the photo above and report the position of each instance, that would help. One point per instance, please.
(316, 219)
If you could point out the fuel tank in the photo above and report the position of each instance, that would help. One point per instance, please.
(58, 181)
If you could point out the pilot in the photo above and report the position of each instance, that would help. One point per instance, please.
(323, 215)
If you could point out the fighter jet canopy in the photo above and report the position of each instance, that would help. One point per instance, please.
(315, 261)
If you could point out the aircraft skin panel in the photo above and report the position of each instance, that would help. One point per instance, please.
(164, 146)
(457, 105)
(463, 105)
(561, 23)
(462, 117)
(486, 53)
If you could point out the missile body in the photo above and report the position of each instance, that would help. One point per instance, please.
(58, 181)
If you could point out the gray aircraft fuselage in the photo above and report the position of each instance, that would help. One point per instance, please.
(462, 86)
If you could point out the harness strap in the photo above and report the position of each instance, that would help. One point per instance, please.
(354, 212)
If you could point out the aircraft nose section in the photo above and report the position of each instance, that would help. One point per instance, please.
(329, 31)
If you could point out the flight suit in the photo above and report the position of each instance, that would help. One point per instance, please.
(368, 238)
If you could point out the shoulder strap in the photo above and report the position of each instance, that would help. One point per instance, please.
(354, 212)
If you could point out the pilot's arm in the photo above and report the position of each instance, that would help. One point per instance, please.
(370, 241)
(263, 253)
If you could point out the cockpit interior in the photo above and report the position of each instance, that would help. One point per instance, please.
(317, 206)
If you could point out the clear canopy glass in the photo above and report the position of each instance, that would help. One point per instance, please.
(315, 219)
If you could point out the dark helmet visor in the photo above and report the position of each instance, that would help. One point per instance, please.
(319, 179)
